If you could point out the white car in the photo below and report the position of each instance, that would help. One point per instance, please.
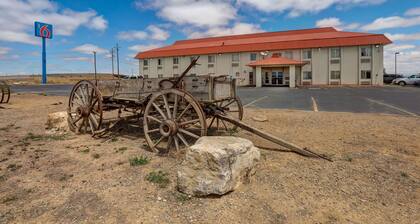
(411, 80)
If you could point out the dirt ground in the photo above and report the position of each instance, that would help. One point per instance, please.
(77, 179)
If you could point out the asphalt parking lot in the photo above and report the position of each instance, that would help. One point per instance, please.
(388, 99)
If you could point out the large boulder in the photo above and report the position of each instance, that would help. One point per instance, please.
(57, 122)
(217, 165)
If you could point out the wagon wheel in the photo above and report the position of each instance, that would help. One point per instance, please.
(85, 108)
(173, 119)
(231, 107)
(5, 92)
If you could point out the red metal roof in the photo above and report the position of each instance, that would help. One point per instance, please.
(276, 60)
(284, 40)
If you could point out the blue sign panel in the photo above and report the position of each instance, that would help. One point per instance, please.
(43, 30)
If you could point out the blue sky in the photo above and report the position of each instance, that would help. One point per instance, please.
(82, 26)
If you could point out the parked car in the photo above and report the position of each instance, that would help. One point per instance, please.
(388, 78)
(410, 80)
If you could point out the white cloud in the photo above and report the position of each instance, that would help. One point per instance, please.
(392, 22)
(299, 7)
(413, 12)
(152, 32)
(336, 23)
(89, 49)
(98, 23)
(23, 13)
(238, 28)
(77, 59)
(4, 51)
(199, 13)
(144, 47)
(399, 47)
(403, 37)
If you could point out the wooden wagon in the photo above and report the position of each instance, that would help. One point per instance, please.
(176, 111)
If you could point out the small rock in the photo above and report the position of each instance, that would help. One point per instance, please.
(217, 165)
(57, 122)
(260, 118)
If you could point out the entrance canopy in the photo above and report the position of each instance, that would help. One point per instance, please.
(275, 61)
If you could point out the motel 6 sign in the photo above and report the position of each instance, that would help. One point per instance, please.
(43, 30)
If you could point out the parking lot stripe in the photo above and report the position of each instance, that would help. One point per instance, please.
(254, 101)
(393, 107)
(314, 104)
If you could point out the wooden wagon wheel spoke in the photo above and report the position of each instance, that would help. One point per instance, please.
(168, 111)
(85, 108)
(158, 141)
(189, 133)
(154, 119)
(159, 110)
(189, 122)
(183, 140)
(176, 142)
(184, 111)
(168, 125)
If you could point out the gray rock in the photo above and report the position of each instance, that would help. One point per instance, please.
(217, 165)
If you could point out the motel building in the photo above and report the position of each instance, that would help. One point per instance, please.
(311, 57)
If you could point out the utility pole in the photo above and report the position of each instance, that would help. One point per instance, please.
(118, 61)
(94, 64)
(396, 53)
(112, 58)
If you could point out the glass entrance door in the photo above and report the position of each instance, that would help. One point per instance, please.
(276, 78)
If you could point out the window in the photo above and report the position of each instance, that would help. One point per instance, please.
(175, 61)
(288, 54)
(160, 76)
(365, 52)
(145, 62)
(211, 59)
(146, 76)
(237, 74)
(176, 75)
(251, 78)
(145, 68)
(307, 75)
(335, 74)
(335, 52)
(253, 57)
(159, 61)
(366, 74)
(307, 54)
(235, 57)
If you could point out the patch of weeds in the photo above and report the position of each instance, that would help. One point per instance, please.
(86, 150)
(96, 156)
(9, 199)
(7, 127)
(233, 131)
(160, 178)
(404, 174)
(34, 137)
(348, 158)
(65, 177)
(121, 149)
(13, 167)
(182, 197)
(139, 161)
(114, 139)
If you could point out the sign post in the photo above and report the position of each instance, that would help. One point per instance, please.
(45, 31)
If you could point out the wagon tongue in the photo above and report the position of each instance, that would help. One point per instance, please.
(271, 138)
